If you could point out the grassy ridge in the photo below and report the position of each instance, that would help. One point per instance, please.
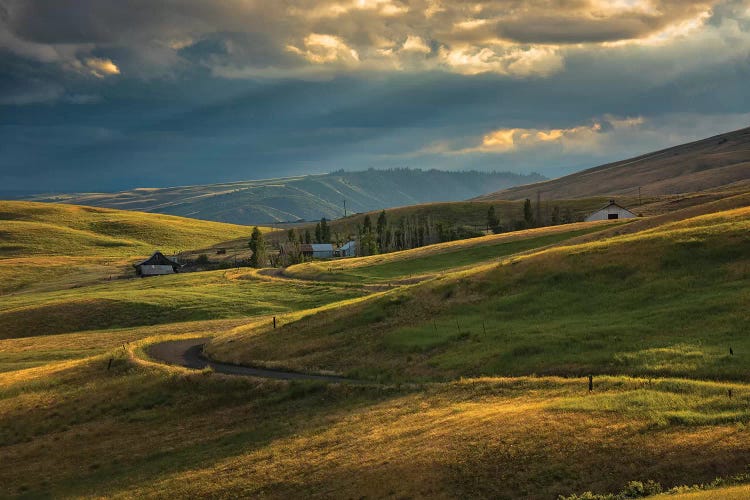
(201, 435)
(167, 299)
(53, 229)
(46, 247)
(641, 304)
(663, 301)
(439, 257)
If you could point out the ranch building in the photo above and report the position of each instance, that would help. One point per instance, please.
(156, 265)
(610, 212)
(317, 250)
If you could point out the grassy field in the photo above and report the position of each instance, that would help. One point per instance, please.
(439, 257)
(70, 430)
(479, 371)
(669, 301)
(45, 246)
(167, 299)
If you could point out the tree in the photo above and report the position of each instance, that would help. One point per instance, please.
(381, 230)
(528, 214)
(258, 246)
(367, 224)
(318, 233)
(308, 237)
(291, 236)
(555, 218)
(493, 222)
(322, 231)
(325, 231)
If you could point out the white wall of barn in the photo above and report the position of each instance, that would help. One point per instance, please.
(604, 213)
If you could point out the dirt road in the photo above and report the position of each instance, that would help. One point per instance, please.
(189, 353)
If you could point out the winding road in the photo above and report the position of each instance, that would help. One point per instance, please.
(189, 353)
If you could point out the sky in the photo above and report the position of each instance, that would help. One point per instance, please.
(103, 95)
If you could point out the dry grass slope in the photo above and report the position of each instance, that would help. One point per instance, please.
(720, 161)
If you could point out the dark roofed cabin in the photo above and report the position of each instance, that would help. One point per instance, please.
(156, 265)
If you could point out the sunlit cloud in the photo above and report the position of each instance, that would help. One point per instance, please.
(100, 67)
(534, 61)
(322, 49)
(416, 44)
(573, 139)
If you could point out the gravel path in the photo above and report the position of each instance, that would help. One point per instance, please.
(189, 353)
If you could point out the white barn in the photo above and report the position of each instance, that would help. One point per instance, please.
(610, 212)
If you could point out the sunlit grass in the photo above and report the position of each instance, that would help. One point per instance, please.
(661, 303)
(439, 257)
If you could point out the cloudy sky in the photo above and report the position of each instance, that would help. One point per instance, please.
(112, 94)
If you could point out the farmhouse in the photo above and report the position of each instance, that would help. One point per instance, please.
(348, 249)
(156, 265)
(317, 250)
(611, 211)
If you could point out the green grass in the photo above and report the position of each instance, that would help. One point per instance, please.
(460, 258)
(159, 300)
(665, 302)
(52, 229)
(646, 313)
(437, 258)
(78, 429)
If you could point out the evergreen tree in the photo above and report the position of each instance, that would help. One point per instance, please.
(308, 237)
(493, 223)
(528, 214)
(555, 218)
(382, 230)
(291, 236)
(367, 225)
(318, 233)
(258, 246)
(325, 231)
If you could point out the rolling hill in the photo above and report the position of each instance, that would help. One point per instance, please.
(721, 161)
(460, 346)
(308, 197)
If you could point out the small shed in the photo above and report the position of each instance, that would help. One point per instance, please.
(611, 211)
(156, 265)
(348, 249)
(317, 250)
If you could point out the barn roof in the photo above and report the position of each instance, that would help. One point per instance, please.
(157, 259)
(613, 204)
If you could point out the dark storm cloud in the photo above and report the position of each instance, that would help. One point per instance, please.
(107, 94)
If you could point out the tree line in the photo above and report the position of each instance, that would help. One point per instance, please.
(388, 234)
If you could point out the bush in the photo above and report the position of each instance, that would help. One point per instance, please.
(202, 259)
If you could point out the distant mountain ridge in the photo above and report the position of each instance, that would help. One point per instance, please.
(720, 161)
(307, 197)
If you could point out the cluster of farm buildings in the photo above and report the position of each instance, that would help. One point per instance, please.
(159, 264)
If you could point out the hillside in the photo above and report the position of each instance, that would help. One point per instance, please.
(716, 162)
(460, 346)
(566, 310)
(51, 246)
(308, 197)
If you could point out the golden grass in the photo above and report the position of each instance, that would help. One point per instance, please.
(314, 270)
(488, 437)
(414, 332)
(54, 229)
